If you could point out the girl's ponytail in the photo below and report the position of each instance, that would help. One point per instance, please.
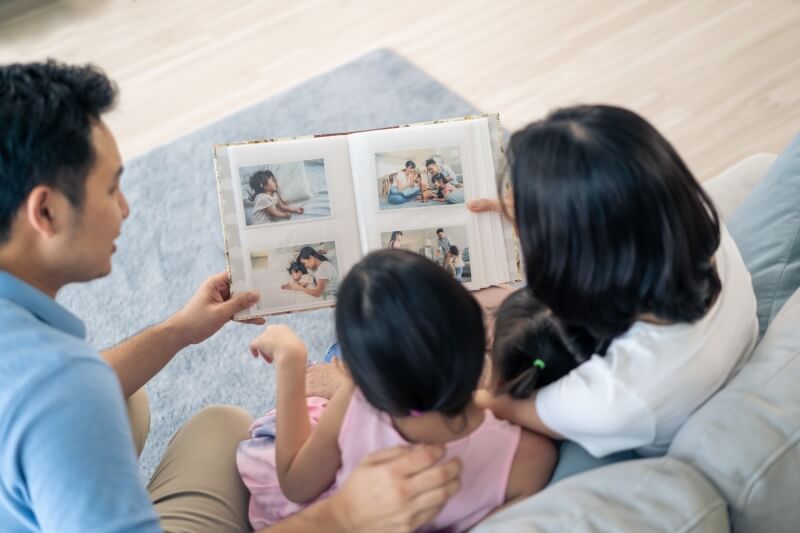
(532, 348)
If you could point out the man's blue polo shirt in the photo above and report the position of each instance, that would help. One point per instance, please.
(67, 460)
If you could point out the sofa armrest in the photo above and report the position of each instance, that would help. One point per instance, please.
(663, 494)
(729, 189)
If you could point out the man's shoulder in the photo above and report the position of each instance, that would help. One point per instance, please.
(32, 351)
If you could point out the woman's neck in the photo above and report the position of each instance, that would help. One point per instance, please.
(436, 428)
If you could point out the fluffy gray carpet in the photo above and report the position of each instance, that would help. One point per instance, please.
(173, 238)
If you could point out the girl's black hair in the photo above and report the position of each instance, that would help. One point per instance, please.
(612, 223)
(258, 182)
(526, 331)
(454, 249)
(410, 164)
(394, 236)
(308, 251)
(297, 266)
(405, 348)
(438, 177)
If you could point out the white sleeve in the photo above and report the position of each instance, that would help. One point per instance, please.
(263, 201)
(592, 408)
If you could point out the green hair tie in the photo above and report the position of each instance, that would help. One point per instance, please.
(538, 363)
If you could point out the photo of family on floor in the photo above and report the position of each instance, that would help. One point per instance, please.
(278, 192)
(416, 178)
(295, 275)
(446, 246)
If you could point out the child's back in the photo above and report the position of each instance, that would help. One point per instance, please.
(487, 454)
(414, 368)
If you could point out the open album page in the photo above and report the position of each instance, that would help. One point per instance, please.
(412, 186)
(289, 219)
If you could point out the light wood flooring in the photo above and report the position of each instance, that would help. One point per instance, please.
(721, 78)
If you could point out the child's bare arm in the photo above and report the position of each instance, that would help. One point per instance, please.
(313, 467)
(520, 412)
(532, 467)
(277, 212)
(296, 446)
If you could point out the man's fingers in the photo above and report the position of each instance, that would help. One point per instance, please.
(427, 505)
(418, 459)
(435, 477)
(485, 204)
(385, 455)
(240, 302)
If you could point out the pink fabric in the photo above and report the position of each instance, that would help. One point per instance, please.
(486, 455)
(255, 459)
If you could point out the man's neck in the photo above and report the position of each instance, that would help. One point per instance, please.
(28, 269)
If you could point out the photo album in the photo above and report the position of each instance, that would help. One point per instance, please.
(297, 213)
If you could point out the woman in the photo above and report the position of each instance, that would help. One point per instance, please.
(406, 185)
(325, 273)
(618, 237)
(394, 240)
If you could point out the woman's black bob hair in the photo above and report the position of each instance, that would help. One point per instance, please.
(612, 223)
(411, 336)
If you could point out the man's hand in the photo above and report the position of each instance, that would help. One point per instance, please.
(396, 490)
(210, 308)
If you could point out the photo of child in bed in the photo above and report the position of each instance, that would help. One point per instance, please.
(280, 192)
(404, 183)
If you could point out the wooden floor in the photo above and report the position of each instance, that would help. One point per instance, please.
(721, 78)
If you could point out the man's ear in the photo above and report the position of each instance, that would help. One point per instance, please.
(46, 210)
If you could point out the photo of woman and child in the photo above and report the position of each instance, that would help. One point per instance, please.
(313, 273)
(295, 275)
(447, 247)
(284, 191)
(402, 184)
(418, 391)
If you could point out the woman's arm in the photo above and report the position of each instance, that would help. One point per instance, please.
(520, 412)
(311, 291)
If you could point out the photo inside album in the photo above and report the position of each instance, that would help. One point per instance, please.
(298, 213)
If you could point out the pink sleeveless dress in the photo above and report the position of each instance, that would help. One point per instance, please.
(486, 456)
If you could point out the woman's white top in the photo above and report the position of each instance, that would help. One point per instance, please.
(653, 377)
(327, 271)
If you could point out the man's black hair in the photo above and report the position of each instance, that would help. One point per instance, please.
(46, 115)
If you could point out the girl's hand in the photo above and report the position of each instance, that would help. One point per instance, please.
(278, 344)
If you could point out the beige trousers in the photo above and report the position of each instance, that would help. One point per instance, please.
(196, 487)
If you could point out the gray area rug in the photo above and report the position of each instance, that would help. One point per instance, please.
(173, 238)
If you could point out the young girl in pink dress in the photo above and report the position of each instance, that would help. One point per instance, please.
(412, 380)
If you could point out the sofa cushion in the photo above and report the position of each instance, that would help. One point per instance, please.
(729, 188)
(766, 227)
(662, 494)
(746, 439)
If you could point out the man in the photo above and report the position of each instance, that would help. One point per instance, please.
(444, 243)
(67, 461)
(434, 168)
